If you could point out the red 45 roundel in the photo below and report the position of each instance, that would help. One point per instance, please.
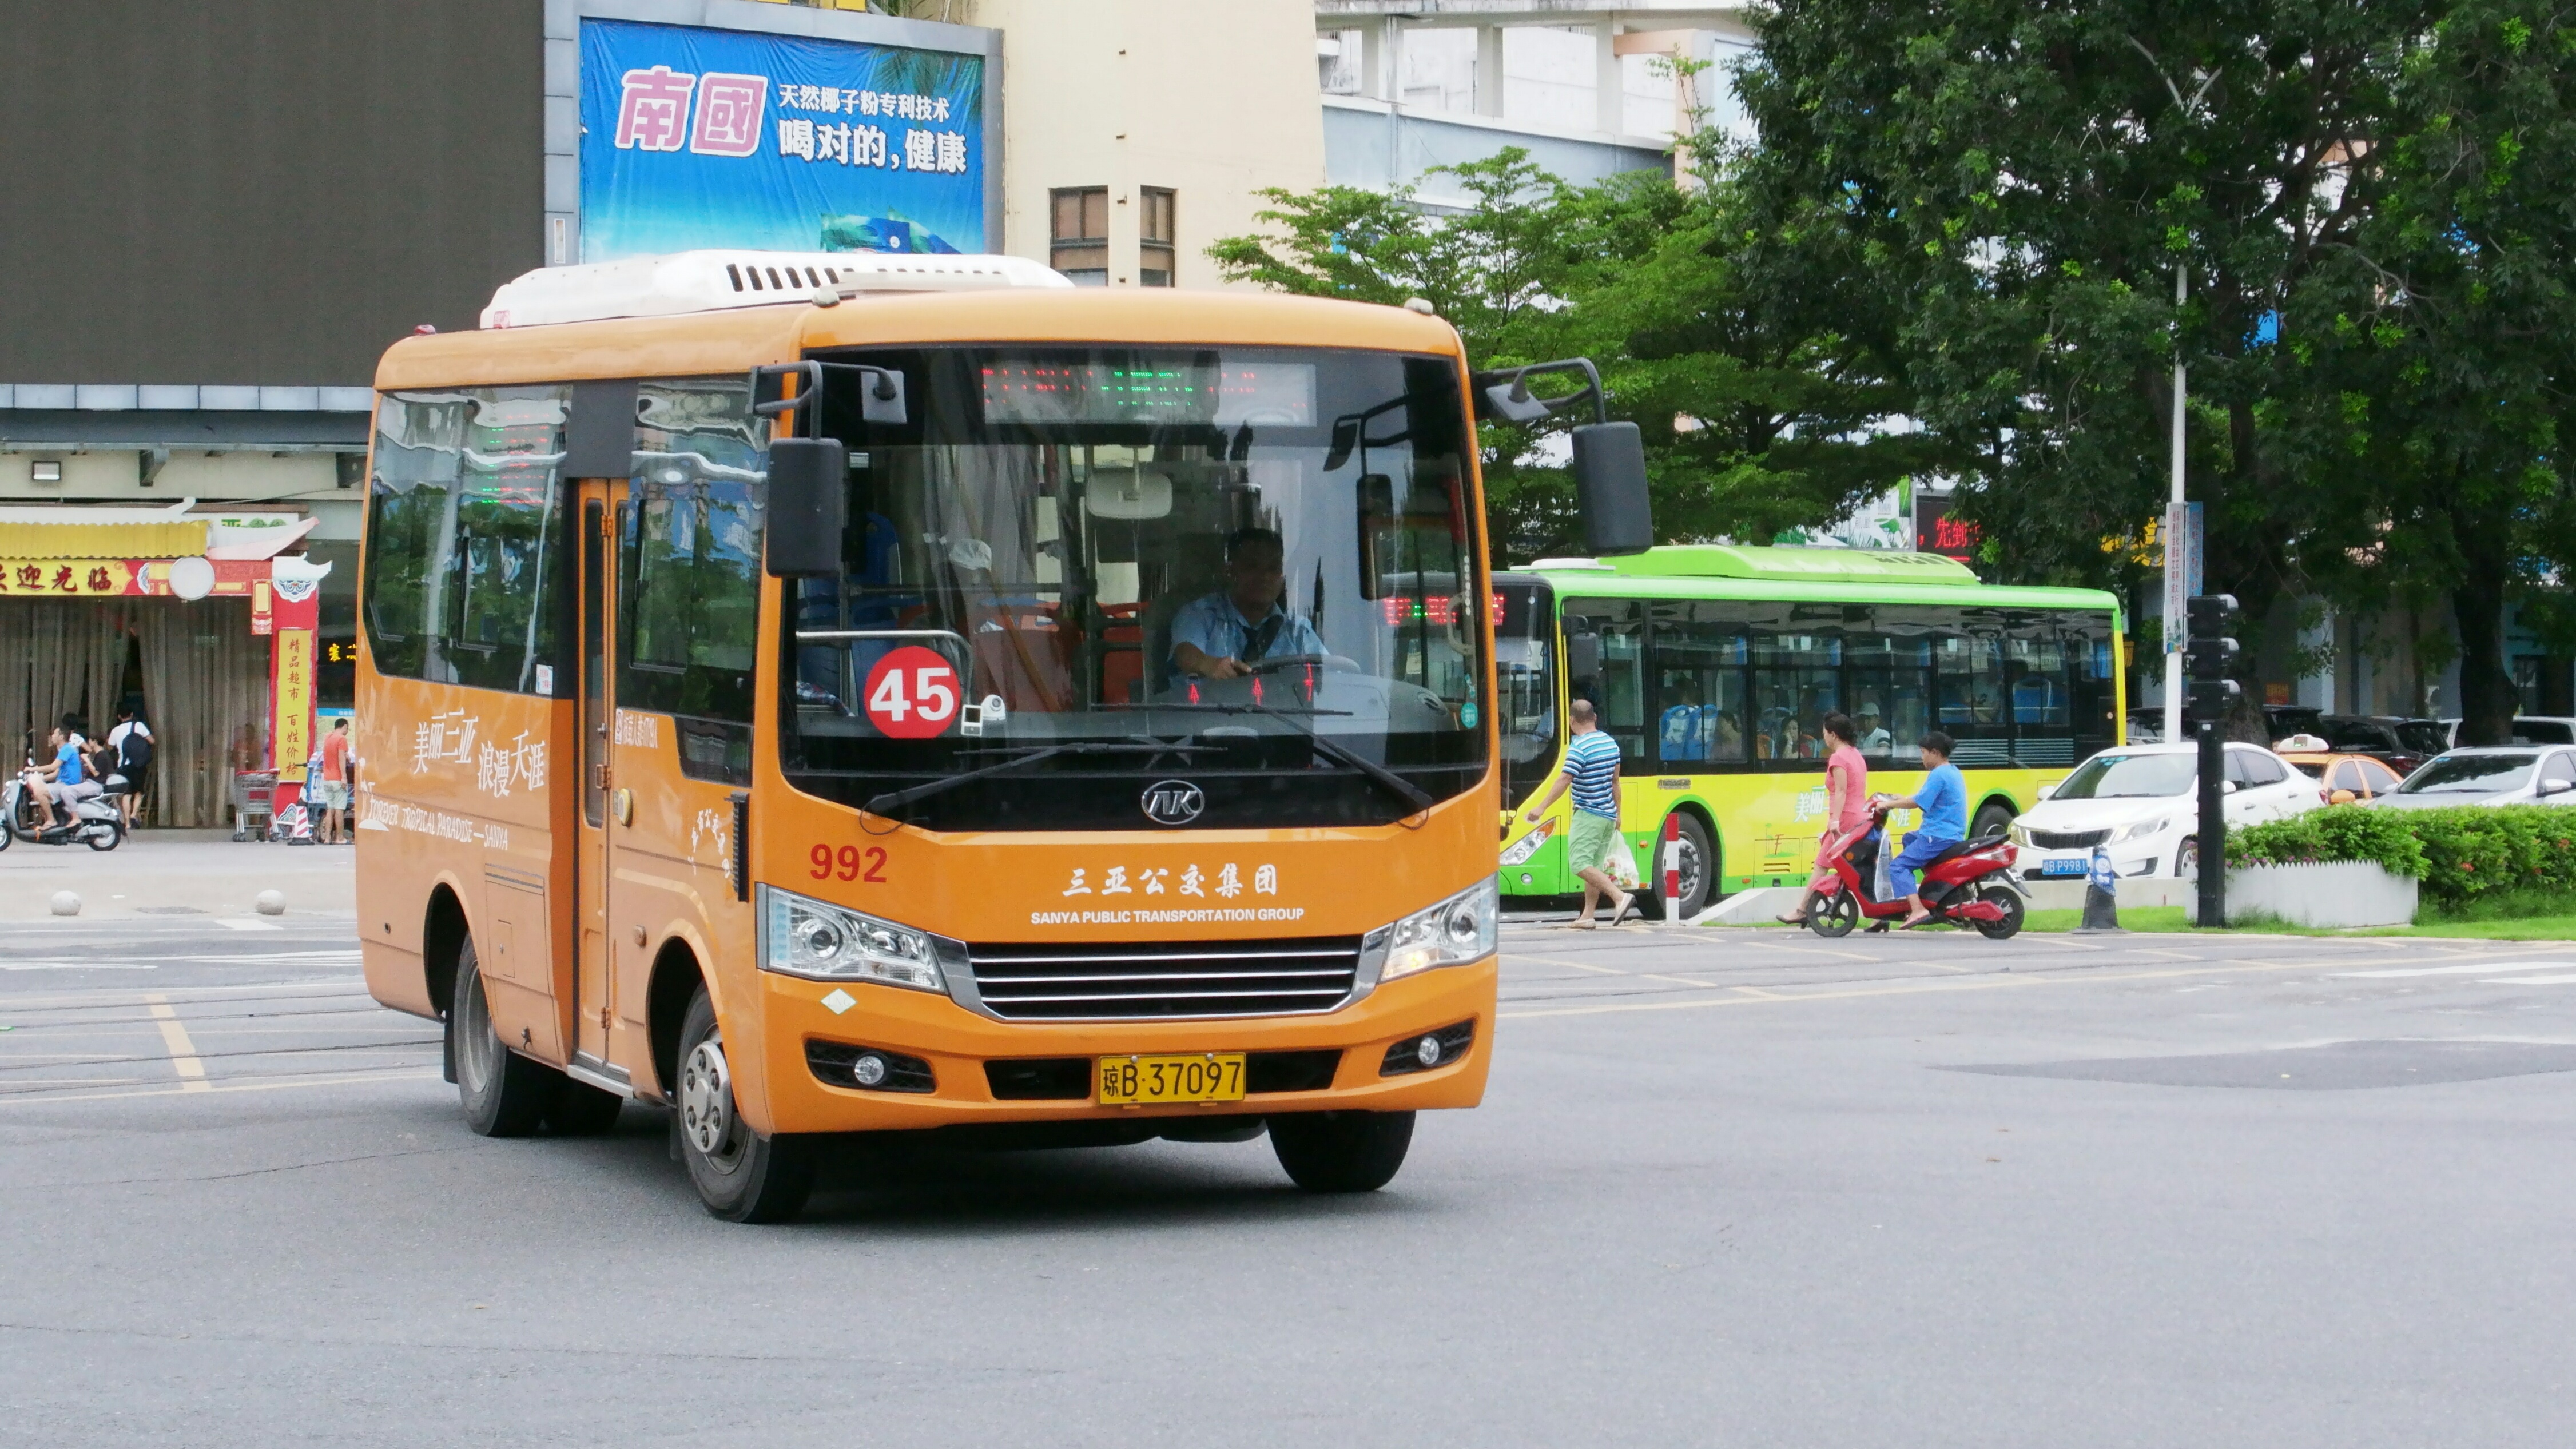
(913, 693)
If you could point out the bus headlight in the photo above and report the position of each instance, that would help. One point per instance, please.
(1525, 847)
(1452, 933)
(828, 943)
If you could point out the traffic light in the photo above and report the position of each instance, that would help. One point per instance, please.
(2209, 657)
(2211, 698)
(2208, 653)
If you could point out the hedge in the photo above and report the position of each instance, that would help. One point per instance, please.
(2459, 854)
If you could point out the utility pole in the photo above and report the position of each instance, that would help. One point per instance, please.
(2178, 538)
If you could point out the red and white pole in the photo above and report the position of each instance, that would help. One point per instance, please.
(1673, 861)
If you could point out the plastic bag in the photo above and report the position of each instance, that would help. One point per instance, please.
(1621, 866)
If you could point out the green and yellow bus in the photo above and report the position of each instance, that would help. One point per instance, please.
(1713, 665)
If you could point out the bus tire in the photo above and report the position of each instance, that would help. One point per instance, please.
(582, 1110)
(1341, 1151)
(1993, 818)
(504, 1093)
(741, 1176)
(1698, 872)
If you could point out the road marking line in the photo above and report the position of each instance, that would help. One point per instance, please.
(2528, 981)
(1553, 961)
(183, 1052)
(2448, 970)
(1935, 984)
(230, 923)
(427, 1074)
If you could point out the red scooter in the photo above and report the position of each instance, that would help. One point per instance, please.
(1970, 884)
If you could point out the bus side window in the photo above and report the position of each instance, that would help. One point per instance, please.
(1699, 662)
(690, 573)
(466, 567)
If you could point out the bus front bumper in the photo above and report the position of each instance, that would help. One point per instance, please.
(957, 1045)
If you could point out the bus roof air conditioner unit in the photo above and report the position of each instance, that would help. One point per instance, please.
(710, 281)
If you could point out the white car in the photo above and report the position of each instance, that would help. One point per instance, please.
(2142, 803)
(2487, 775)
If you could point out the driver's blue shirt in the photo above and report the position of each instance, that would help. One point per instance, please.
(69, 757)
(1220, 631)
(1944, 802)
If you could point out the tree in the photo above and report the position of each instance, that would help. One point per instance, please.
(2000, 194)
(2441, 345)
(1758, 416)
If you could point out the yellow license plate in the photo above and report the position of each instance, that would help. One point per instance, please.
(1203, 1077)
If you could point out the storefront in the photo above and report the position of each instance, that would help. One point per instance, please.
(203, 624)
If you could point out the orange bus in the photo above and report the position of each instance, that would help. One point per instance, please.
(835, 694)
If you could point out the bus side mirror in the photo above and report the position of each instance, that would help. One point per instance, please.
(1610, 489)
(809, 493)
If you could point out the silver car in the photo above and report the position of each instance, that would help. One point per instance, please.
(2487, 775)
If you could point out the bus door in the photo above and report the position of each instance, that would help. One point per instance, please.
(593, 968)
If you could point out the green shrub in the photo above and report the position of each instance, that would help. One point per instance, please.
(2460, 854)
(2341, 832)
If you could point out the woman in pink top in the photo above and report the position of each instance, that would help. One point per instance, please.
(1846, 807)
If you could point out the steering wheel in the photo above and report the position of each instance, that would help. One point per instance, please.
(1330, 663)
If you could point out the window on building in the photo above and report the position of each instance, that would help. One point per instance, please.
(1155, 247)
(1079, 230)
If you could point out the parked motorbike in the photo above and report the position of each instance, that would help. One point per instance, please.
(1970, 884)
(96, 822)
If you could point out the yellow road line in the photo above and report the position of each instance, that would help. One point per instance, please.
(183, 1052)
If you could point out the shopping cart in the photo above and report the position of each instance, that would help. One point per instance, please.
(254, 796)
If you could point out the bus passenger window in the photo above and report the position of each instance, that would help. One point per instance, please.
(1699, 686)
(464, 577)
(1797, 681)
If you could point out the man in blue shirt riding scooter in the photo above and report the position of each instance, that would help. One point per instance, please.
(1943, 799)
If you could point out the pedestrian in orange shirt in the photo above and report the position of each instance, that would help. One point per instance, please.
(335, 782)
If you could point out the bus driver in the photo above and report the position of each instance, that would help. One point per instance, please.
(1223, 634)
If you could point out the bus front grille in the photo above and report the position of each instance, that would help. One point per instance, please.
(1146, 980)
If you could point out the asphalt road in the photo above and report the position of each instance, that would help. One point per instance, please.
(1729, 1187)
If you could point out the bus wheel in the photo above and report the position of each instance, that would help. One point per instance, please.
(1341, 1151)
(1995, 819)
(740, 1175)
(582, 1110)
(1696, 874)
(504, 1093)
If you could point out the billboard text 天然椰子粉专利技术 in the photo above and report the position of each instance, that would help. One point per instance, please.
(697, 138)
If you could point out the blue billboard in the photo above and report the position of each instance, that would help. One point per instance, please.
(724, 138)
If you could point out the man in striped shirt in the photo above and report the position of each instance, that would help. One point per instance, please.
(1592, 772)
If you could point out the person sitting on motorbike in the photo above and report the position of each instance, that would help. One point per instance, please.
(1943, 799)
(66, 781)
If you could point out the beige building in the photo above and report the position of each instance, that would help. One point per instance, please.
(1137, 132)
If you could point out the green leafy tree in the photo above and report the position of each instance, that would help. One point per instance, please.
(1757, 416)
(2440, 347)
(1999, 195)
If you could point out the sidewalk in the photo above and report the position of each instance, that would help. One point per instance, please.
(172, 873)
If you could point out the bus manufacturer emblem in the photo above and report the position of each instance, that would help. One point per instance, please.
(1173, 802)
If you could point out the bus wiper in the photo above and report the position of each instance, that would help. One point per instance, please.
(896, 799)
(1404, 789)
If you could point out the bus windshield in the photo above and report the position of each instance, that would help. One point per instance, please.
(1251, 571)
